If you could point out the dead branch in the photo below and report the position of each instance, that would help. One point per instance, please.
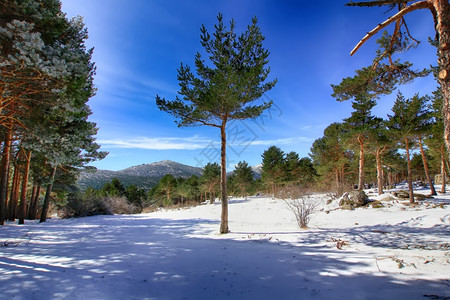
(415, 6)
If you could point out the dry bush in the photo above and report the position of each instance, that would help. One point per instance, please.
(299, 201)
(120, 205)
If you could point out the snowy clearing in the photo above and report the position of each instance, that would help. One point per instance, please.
(394, 252)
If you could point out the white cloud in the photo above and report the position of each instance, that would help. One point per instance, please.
(159, 143)
(187, 143)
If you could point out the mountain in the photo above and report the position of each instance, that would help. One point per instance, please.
(143, 176)
(256, 169)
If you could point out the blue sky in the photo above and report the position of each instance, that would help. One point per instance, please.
(139, 44)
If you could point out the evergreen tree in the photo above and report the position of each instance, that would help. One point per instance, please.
(330, 158)
(307, 172)
(361, 126)
(211, 179)
(244, 178)
(410, 116)
(44, 104)
(440, 10)
(272, 168)
(435, 143)
(224, 88)
(167, 185)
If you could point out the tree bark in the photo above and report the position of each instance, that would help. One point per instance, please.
(442, 23)
(426, 169)
(223, 181)
(47, 196)
(23, 196)
(410, 184)
(14, 195)
(4, 175)
(379, 170)
(32, 211)
(443, 173)
(361, 163)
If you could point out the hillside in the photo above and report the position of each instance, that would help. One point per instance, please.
(143, 176)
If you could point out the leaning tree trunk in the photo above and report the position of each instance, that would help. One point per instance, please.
(361, 163)
(425, 167)
(410, 184)
(4, 175)
(47, 196)
(223, 181)
(23, 196)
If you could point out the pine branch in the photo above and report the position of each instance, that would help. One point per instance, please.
(415, 6)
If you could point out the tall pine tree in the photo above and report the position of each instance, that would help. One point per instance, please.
(224, 88)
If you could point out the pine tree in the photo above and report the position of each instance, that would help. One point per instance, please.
(244, 178)
(361, 126)
(410, 116)
(211, 179)
(330, 158)
(440, 11)
(272, 168)
(224, 88)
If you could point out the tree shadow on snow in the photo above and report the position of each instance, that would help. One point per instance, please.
(138, 257)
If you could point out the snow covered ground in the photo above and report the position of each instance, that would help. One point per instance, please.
(395, 252)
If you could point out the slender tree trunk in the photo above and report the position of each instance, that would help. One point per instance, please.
(47, 196)
(23, 196)
(4, 175)
(425, 167)
(32, 211)
(13, 198)
(443, 173)
(337, 180)
(211, 195)
(379, 170)
(361, 163)
(410, 184)
(223, 181)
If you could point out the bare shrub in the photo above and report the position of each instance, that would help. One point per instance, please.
(91, 205)
(299, 201)
(120, 205)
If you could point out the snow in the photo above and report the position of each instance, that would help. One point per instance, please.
(395, 252)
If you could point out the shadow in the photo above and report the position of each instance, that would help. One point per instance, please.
(140, 257)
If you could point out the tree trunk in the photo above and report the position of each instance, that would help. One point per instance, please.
(23, 196)
(361, 163)
(379, 170)
(442, 23)
(4, 175)
(13, 198)
(410, 184)
(211, 195)
(47, 196)
(32, 211)
(443, 173)
(425, 167)
(223, 181)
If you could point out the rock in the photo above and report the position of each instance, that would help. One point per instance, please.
(401, 194)
(376, 204)
(405, 195)
(353, 199)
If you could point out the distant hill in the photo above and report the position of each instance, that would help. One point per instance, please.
(143, 176)
(256, 169)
